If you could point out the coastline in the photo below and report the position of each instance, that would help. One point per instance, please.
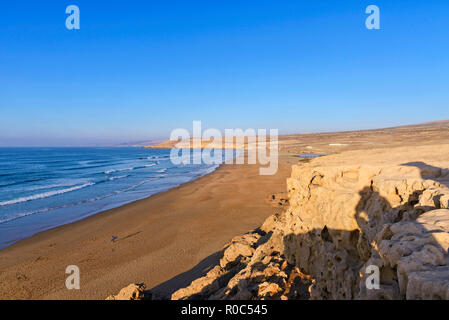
(175, 237)
(159, 237)
(48, 225)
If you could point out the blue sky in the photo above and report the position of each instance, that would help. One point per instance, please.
(138, 69)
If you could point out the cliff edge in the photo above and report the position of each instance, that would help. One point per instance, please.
(386, 208)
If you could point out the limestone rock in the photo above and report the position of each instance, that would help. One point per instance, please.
(240, 247)
(131, 292)
(268, 289)
(343, 219)
(203, 286)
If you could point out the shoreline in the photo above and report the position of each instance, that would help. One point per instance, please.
(175, 237)
(158, 238)
(112, 207)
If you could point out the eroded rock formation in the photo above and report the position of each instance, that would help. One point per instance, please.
(344, 219)
(341, 220)
(132, 292)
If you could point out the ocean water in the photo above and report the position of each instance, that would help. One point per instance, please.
(41, 188)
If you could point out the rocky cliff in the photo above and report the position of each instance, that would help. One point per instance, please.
(343, 220)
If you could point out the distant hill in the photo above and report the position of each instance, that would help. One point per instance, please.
(167, 144)
(438, 124)
(140, 143)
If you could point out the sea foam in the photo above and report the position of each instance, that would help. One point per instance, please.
(44, 195)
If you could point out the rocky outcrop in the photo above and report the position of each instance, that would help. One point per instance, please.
(131, 292)
(344, 219)
(253, 269)
(342, 222)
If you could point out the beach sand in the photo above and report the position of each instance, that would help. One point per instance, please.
(162, 241)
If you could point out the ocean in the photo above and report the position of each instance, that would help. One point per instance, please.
(42, 188)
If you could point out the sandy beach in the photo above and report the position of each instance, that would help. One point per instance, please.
(172, 234)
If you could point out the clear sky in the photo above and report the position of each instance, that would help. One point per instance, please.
(138, 69)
